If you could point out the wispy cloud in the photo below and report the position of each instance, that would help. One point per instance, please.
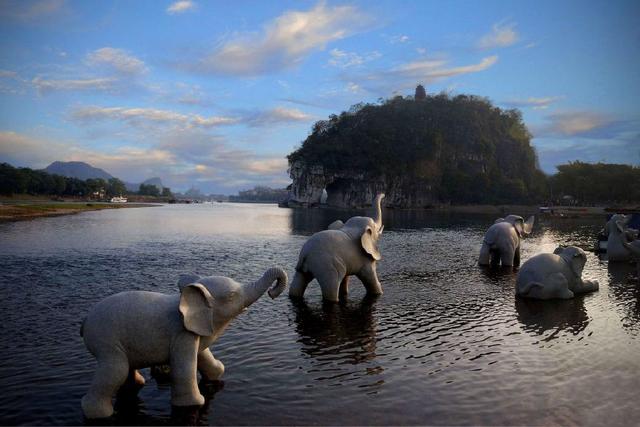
(535, 103)
(573, 123)
(342, 59)
(116, 59)
(181, 7)
(501, 35)
(284, 42)
(148, 117)
(44, 86)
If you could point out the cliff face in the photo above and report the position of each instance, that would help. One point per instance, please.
(349, 189)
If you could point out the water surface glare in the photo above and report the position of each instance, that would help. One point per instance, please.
(447, 343)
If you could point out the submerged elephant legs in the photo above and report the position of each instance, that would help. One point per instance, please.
(335, 284)
(210, 368)
(111, 373)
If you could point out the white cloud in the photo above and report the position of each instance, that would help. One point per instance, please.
(116, 59)
(180, 7)
(573, 123)
(342, 59)
(430, 70)
(399, 39)
(501, 35)
(285, 41)
(536, 103)
(145, 116)
(44, 86)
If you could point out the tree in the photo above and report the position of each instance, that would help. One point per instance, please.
(149, 190)
(116, 187)
(166, 192)
(421, 94)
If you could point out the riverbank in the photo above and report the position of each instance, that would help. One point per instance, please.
(26, 210)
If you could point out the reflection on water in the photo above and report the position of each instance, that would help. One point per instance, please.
(447, 342)
(327, 328)
(539, 316)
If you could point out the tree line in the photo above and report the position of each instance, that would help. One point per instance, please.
(462, 148)
(37, 182)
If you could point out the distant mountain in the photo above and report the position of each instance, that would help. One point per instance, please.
(80, 170)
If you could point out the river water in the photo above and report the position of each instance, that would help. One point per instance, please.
(447, 343)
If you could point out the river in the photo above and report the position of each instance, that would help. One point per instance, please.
(447, 343)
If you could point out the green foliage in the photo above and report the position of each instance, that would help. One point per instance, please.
(463, 148)
(36, 182)
(597, 183)
(166, 192)
(149, 190)
(261, 194)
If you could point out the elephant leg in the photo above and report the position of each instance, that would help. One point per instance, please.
(369, 278)
(135, 381)
(507, 258)
(485, 255)
(184, 375)
(210, 367)
(299, 284)
(516, 257)
(111, 372)
(344, 287)
(329, 281)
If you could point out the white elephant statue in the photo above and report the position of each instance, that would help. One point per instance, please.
(138, 329)
(618, 233)
(345, 249)
(501, 242)
(556, 275)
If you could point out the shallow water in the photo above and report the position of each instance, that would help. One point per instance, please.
(447, 343)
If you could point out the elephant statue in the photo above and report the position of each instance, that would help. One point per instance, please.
(138, 329)
(556, 275)
(501, 242)
(616, 232)
(345, 249)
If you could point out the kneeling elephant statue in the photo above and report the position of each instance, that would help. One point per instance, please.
(139, 329)
(556, 275)
(345, 249)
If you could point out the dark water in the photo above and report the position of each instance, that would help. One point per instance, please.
(448, 343)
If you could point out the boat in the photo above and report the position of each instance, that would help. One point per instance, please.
(118, 199)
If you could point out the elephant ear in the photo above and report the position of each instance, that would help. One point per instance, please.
(578, 261)
(187, 279)
(196, 306)
(370, 244)
(335, 225)
(620, 225)
(558, 250)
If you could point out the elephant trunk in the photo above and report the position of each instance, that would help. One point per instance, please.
(254, 290)
(378, 214)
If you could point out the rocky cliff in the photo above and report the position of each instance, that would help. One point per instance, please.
(350, 189)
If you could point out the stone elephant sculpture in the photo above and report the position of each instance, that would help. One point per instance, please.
(133, 330)
(345, 249)
(634, 251)
(501, 242)
(556, 275)
(617, 234)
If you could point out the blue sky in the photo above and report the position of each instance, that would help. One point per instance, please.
(215, 94)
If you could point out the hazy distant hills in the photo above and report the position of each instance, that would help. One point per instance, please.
(80, 170)
(84, 171)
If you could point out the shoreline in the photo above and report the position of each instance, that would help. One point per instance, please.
(32, 209)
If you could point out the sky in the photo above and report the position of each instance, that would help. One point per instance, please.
(215, 94)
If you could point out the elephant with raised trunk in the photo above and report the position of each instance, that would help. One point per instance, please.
(618, 232)
(501, 242)
(139, 329)
(345, 249)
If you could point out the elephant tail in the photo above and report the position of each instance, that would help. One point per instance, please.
(524, 290)
(82, 327)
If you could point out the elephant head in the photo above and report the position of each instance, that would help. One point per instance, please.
(617, 224)
(522, 227)
(205, 302)
(574, 256)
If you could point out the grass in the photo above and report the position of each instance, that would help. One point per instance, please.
(20, 211)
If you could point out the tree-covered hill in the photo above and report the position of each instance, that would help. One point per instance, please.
(458, 149)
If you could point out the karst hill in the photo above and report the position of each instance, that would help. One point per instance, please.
(421, 151)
